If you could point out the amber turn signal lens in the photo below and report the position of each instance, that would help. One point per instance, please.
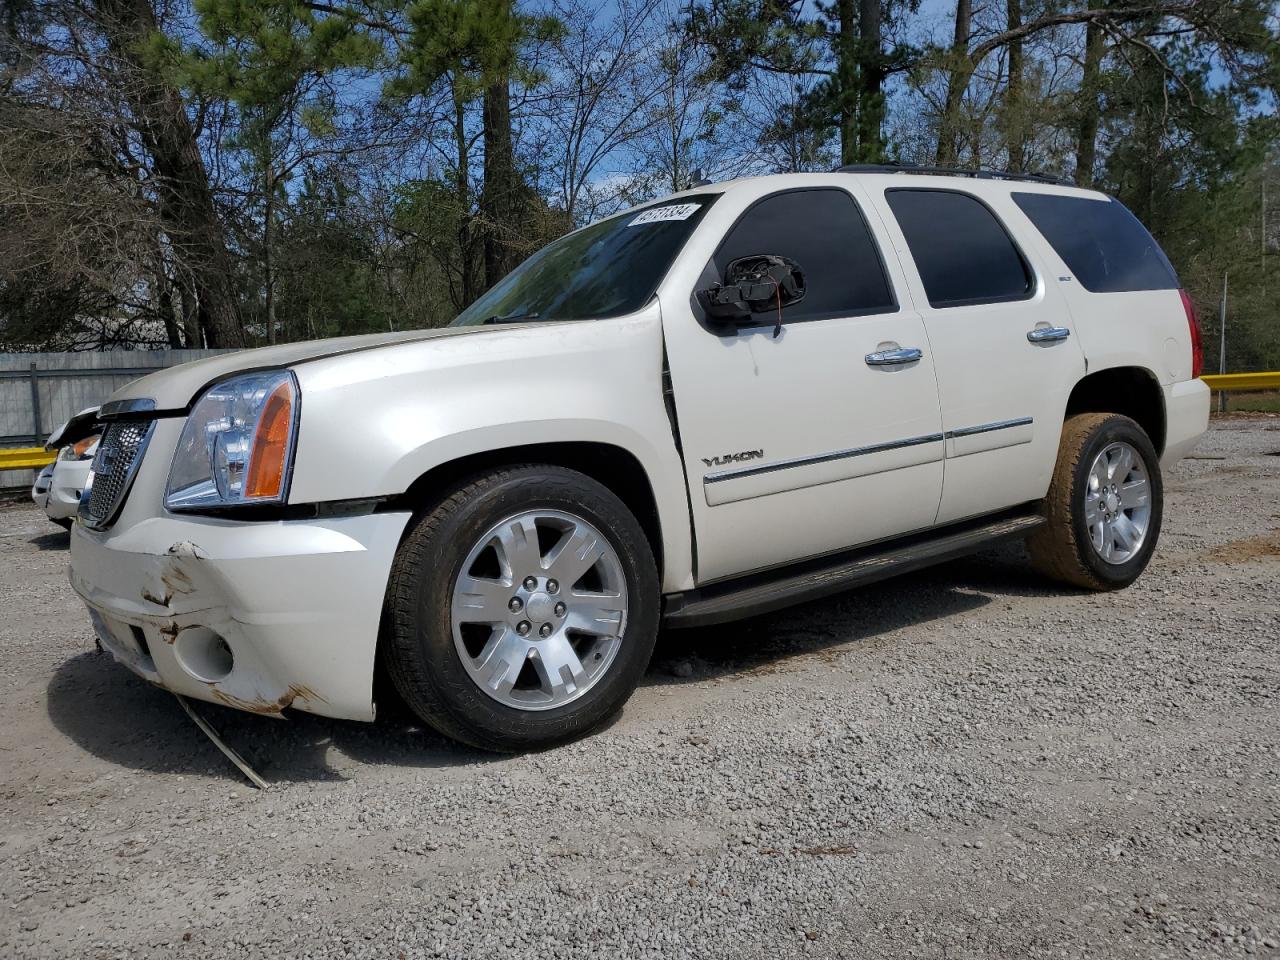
(81, 447)
(271, 445)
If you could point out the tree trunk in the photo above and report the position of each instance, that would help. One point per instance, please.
(191, 329)
(268, 241)
(466, 290)
(185, 202)
(1015, 126)
(163, 294)
(961, 69)
(1090, 110)
(871, 72)
(498, 202)
(847, 81)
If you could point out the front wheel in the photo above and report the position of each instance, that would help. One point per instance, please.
(1104, 505)
(523, 609)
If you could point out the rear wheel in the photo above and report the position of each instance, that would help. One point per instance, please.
(524, 609)
(1104, 505)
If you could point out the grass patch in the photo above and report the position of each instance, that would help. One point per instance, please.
(1250, 402)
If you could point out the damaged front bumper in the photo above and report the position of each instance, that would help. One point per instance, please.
(256, 616)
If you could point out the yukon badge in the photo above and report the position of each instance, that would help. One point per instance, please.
(727, 458)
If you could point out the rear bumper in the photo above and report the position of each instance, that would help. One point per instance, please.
(257, 616)
(1186, 406)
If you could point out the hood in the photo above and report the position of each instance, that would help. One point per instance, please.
(176, 387)
(83, 424)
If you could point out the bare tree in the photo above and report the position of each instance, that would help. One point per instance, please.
(604, 80)
(185, 203)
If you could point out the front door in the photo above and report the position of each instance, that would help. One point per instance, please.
(826, 435)
(1003, 343)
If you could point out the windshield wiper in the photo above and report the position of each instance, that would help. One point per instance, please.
(511, 318)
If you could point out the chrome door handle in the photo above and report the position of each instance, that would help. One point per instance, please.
(1047, 334)
(892, 358)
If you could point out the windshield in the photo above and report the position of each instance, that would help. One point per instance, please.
(608, 269)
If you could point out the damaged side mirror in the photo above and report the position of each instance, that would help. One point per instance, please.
(754, 284)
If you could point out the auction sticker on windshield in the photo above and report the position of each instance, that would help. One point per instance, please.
(677, 211)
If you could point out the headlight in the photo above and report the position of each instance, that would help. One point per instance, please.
(237, 446)
(80, 450)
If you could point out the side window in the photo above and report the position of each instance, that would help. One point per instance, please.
(1100, 241)
(824, 231)
(963, 253)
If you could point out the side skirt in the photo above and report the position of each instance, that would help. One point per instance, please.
(808, 580)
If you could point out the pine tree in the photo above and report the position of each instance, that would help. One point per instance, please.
(268, 57)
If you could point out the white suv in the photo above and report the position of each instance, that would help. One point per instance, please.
(732, 399)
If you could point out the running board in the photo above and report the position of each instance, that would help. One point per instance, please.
(763, 592)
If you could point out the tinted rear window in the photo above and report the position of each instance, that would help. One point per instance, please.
(963, 253)
(1100, 241)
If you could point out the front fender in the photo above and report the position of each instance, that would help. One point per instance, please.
(373, 423)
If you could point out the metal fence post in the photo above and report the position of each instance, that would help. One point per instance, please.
(36, 432)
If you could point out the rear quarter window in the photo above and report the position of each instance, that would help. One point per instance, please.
(1101, 242)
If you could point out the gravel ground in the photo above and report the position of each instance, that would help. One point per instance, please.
(966, 762)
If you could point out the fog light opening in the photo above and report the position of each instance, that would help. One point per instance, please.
(140, 638)
(204, 654)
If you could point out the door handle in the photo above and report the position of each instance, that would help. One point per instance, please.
(893, 358)
(1047, 334)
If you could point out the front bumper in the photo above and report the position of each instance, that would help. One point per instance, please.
(257, 616)
(65, 484)
(40, 487)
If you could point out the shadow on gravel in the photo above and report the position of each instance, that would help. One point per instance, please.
(857, 616)
(57, 540)
(124, 720)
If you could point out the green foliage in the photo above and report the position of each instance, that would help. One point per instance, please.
(264, 49)
(476, 41)
(1190, 155)
(329, 283)
(376, 163)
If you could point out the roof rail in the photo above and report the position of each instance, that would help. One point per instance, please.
(953, 172)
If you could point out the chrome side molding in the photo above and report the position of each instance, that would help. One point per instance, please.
(988, 427)
(720, 475)
(736, 474)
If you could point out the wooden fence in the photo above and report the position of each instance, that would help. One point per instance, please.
(39, 391)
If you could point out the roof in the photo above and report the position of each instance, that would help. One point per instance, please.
(974, 173)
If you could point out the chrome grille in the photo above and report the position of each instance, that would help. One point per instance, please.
(119, 454)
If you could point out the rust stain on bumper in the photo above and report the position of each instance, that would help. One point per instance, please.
(274, 707)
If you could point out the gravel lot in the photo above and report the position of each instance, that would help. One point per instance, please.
(966, 762)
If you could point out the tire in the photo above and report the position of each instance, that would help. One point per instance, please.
(1066, 548)
(63, 522)
(456, 676)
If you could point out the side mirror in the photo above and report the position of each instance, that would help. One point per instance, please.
(754, 284)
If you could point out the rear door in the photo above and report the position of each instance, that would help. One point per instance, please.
(1002, 339)
(802, 443)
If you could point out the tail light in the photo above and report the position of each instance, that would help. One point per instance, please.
(1197, 349)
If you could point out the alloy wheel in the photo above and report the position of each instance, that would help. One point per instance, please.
(1117, 502)
(539, 609)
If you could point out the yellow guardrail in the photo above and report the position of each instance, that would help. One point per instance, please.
(1243, 381)
(26, 458)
